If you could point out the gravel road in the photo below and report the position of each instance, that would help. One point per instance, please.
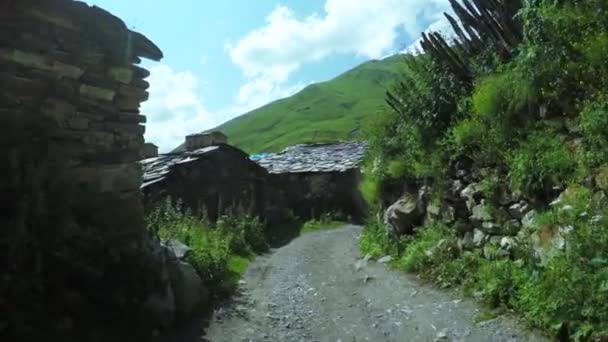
(318, 288)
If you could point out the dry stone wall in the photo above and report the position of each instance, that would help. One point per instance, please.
(70, 70)
(70, 202)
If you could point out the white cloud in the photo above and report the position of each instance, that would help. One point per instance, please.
(174, 109)
(269, 55)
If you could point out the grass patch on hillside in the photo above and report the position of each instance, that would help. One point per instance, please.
(323, 112)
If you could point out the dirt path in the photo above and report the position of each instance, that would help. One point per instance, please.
(317, 288)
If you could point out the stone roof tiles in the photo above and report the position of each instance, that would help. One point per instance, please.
(156, 169)
(322, 157)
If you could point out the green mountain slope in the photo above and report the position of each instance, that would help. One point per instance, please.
(328, 111)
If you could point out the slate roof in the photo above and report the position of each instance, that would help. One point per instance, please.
(324, 157)
(156, 168)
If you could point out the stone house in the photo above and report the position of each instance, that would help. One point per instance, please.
(213, 178)
(319, 178)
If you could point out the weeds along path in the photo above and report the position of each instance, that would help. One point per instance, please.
(318, 288)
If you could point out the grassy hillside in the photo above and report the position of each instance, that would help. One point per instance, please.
(328, 111)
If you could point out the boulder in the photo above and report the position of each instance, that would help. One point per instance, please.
(491, 228)
(481, 213)
(467, 242)
(187, 288)
(519, 210)
(511, 227)
(507, 243)
(472, 191)
(433, 209)
(601, 178)
(160, 309)
(505, 197)
(179, 249)
(528, 221)
(404, 215)
(444, 212)
(385, 259)
(457, 186)
(479, 238)
(448, 214)
(470, 203)
(599, 200)
(548, 242)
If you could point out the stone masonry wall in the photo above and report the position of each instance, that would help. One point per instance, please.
(71, 209)
(70, 68)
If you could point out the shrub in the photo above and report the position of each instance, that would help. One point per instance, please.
(218, 250)
(502, 95)
(542, 160)
(593, 123)
(375, 240)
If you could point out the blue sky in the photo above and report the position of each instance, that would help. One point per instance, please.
(225, 58)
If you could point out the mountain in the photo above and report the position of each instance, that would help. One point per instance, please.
(327, 111)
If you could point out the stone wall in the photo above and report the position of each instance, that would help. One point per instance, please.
(71, 68)
(311, 194)
(71, 209)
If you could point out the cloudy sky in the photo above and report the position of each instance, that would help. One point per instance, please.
(224, 58)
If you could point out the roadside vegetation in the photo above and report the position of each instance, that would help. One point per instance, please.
(220, 251)
(531, 115)
(324, 222)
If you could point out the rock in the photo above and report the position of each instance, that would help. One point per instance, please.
(528, 221)
(519, 210)
(467, 242)
(433, 209)
(160, 308)
(457, 186)
(481, 213)
(505, 198)
(441, 336)
(491, 228)
(479, 238)
(178, 248)
(448, 214)
(495, 240)
(511, 227)
(470, 204)
(385, 259)
(461, 173)
(548, 242)
(601, 178)
(471, 191)
(599, 200)
(405, 214)
(187, 287)
(507, 243)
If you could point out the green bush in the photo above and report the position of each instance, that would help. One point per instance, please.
(218, 250)
(506, 94)
(375, 240)
(593, 123)
(544, 159)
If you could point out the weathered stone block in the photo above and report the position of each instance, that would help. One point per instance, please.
(97, 93)
(119, 178)
(121, 74)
